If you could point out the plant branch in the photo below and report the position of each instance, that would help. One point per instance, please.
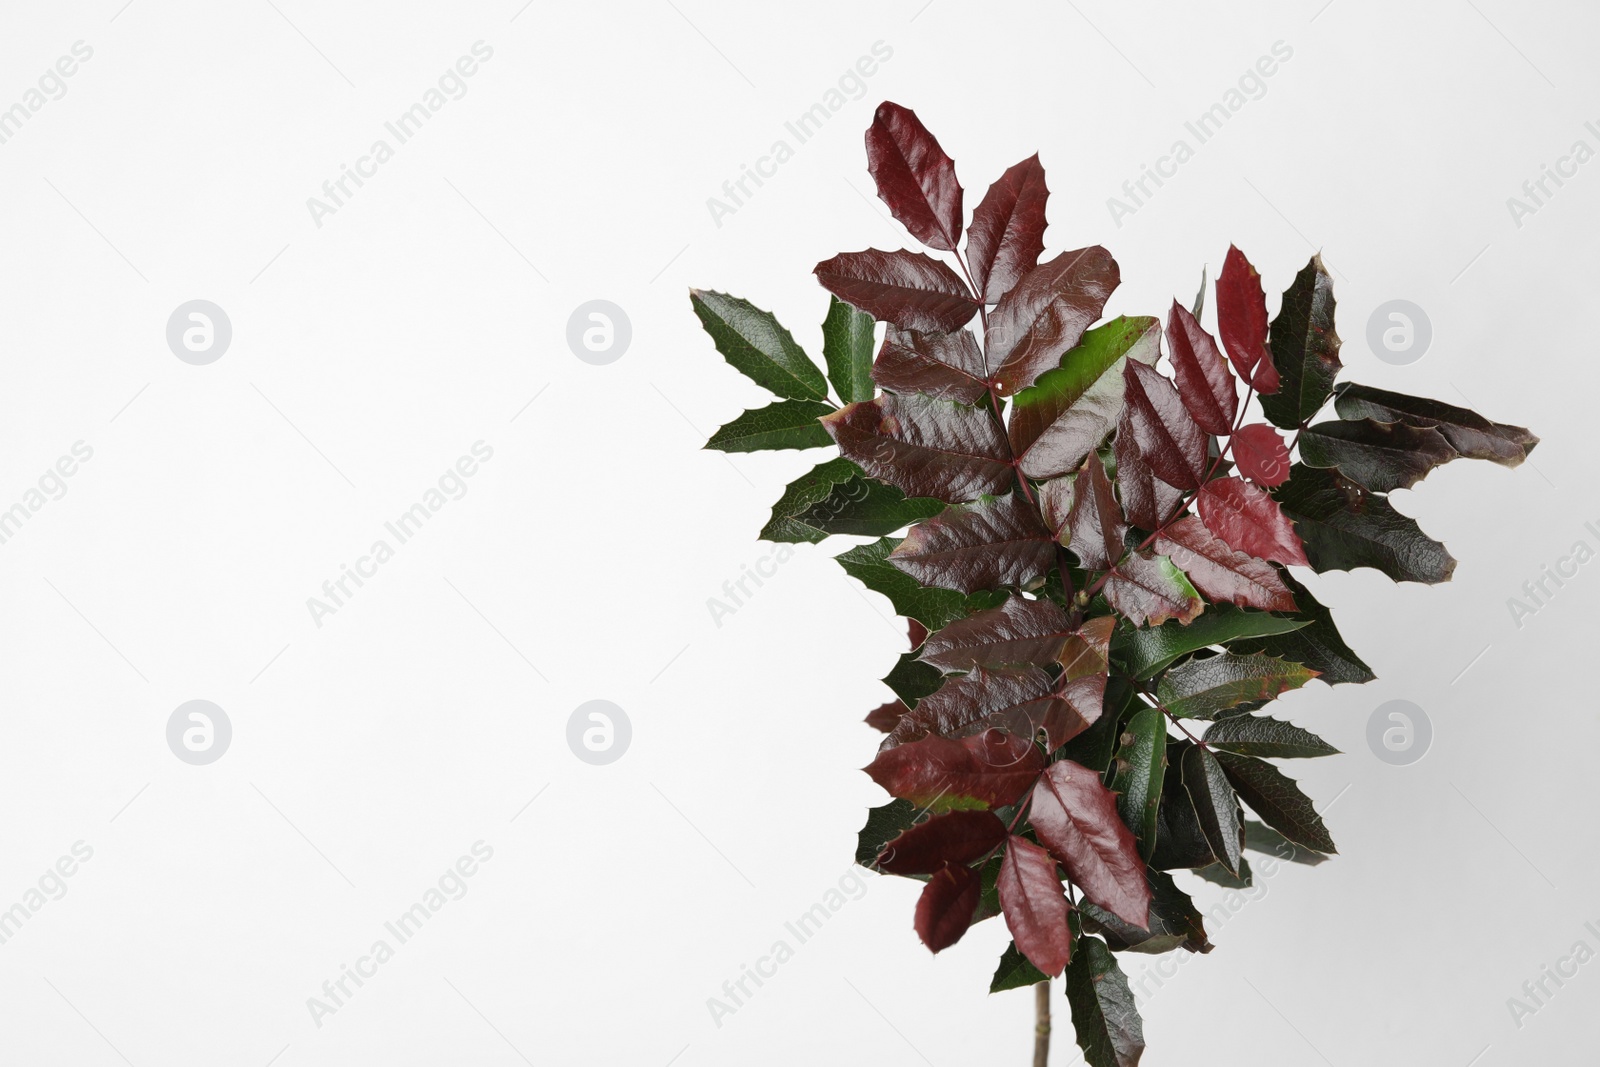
(1041, 1025)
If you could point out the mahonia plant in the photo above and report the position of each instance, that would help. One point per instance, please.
(1095, 564)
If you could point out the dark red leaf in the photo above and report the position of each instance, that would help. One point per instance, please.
(885, 717)
(1220, 572)
(917, 632)
(1007, 231)
(1035, 905)
(1242, 321)
(1148, 588)
(1147, 499)
(1015, 700)
(909, 289)
(1096, 518)
(1247, 519)
(1075, 817)
(1261, 454)
(947, 365)
(925, 447)
(1172, 445)
(1204, 381)
(915, 178)
(947, 905)
(991, 543)
(954, 837)
(1035, 324)
(987, 770)
(1055, 504)
(1018, 632)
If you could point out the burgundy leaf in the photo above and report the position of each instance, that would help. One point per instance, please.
(947, 365)
(924, 447)
(1149, 588)
(1020, 701)
(1146, 499)
(995, 542)
(1262, 455)
(1172, 445)
(987, 770)
(909, 289)
(1035, 905)
(1242, 321)
(1055, 504)
(947, 906)
(1047, 312)
(1247, 519)
(954, 837)
(1075, 817)
(1007, 231)
(915, 178)
(886, 717)
(1018, 632)
(1087, 649)
(1096, 518)
(1204, 381)
(917, 632)
(1220, 572)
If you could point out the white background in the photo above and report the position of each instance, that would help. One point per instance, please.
(372, 351)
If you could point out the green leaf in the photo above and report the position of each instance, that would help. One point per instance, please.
(786, 424)
(1203, 688)
(934, 608)
(1278, 800)
(1093, 747)
(1216, 805)
(1174, 921)
(1015, 971)
(1260, 735)
(837, 498)
(1180, 841)
(1305, 348)
(1140, 768)
(758, 346)
(1316, 643)
(1344, 527)
(1217, 874)
(1260, 837)
(911, 679)
(1103, 1011)
(884, 823)
(1145, 653)
(847, 349)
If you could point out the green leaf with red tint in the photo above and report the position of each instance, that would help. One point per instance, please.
(944, 365)
(1018, 632)
(1247, 519)
(909, 289)
(925, 447)
(1170, 442)
(1075, 817)
(1205, 688)
(1204, 381)
(954, 837)
(1035, 905)
(987, 770)
(1378, 456)
(1222, 573)
(1305, 348)
(1469, 433)
(1264, 736)
(1047, 314)
(1148, 589)
(1242, 322)
(1007, 231)
(914, 176)
(994, 542)
(1277, 798)
(947, 905)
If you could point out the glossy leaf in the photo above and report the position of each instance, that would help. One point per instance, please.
(869, 564)
(1172, 445)
(1046, 314)
(1147, 500)
(1070, 409)
(947, 906)
(1204, 381)
(1220, 572)
(1305, 348)
(1035, 905)
(885, 717)
(909, 289)
(1174, 921)
(847, 341)
(1248, 520)
(1262, 838)
(1141, 767)
(1104, 1015)
(1146, 653)
(945, 365)
(912, 680)
(1075, 817)
(1314, 641)
(1180, 841)
(1095, 519)
(1021, 701)
(914, 176)
(1242, 321)
(1149, 589)
(1018, 632)
(994, 542)
(1203, 688)
(1007, 231)
(954, 837)
(757, 345)
(1262, 454)
(925, 447)
(1344, 527)
(1215, 804)
(1278, 800)
(986, 770)
(837, 498)
(1262, 736)
(1469, 433)
(1378, 456)
(785, 424)
(884, 823)
(1015, 971)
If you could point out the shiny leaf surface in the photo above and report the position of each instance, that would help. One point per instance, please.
(947, 906)
(1046, 314)
(1018, 632)
(1222, 573)
(1469, 433)
(1075, 817)
(1203, 688)
(945, 365)
(785, 424)
(1007, 231)
(1305, 348)
(1215, 804)
(756, 344)
(1278, 800)
(987, 770)
(1263, 736)
(1262, 454)
(914, 176)
(1242, 321)
(1204, 381)
(1378, 456)
(1248, 520)
(925, 447)
(1344, 527)
(1035, 905)
(1172, 445)
(837, 498)
(994, 542)
(954, 837)
(1104, 1015)
(909, 289)
(847, 341)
